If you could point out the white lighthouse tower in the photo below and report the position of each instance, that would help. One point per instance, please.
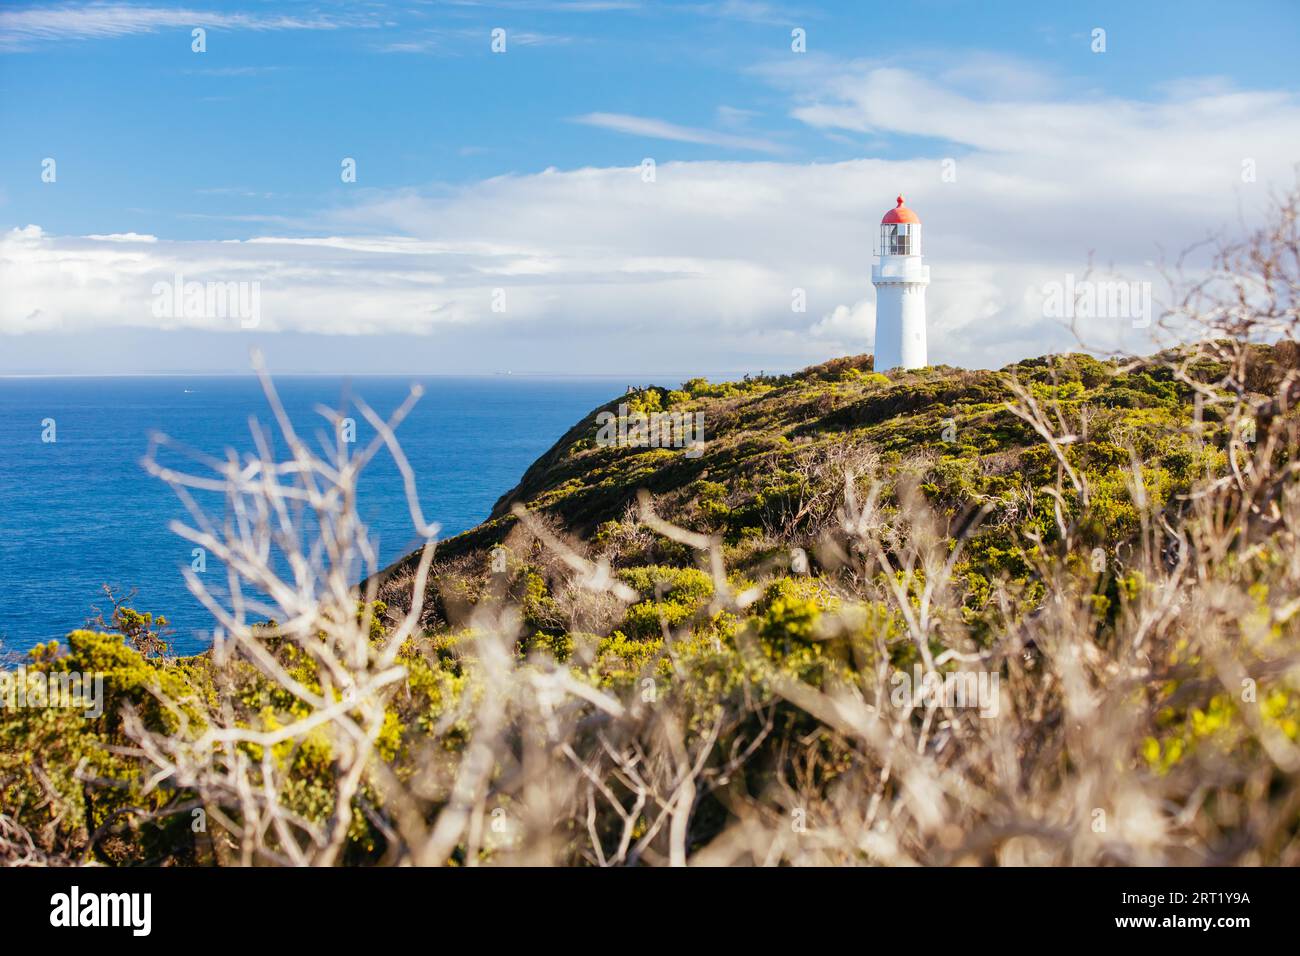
(900, 279)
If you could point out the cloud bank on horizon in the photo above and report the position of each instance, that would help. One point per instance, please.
(679, 262)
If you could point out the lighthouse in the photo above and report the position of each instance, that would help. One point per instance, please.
(900, 279)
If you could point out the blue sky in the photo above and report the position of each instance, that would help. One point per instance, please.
(758, 148)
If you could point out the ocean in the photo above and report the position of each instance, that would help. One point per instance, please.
(79, 512)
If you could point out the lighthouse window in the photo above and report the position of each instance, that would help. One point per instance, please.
(897, 239)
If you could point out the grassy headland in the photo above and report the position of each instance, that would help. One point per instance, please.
(725, 629)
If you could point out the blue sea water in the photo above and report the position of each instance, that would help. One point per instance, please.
(80, 512)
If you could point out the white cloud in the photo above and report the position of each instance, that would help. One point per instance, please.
(457, 42)
(124, 237)
(734, 116)
(602, 271)
(659, 129)
(93, 21)
(856, 323)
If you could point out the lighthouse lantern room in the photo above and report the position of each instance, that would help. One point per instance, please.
(900, 279)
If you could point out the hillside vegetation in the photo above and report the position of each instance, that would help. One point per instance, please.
(778, 451)
(833, 517)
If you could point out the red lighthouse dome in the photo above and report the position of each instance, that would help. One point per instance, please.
(900, 213)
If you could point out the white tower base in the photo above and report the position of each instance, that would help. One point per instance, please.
(900, 283)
